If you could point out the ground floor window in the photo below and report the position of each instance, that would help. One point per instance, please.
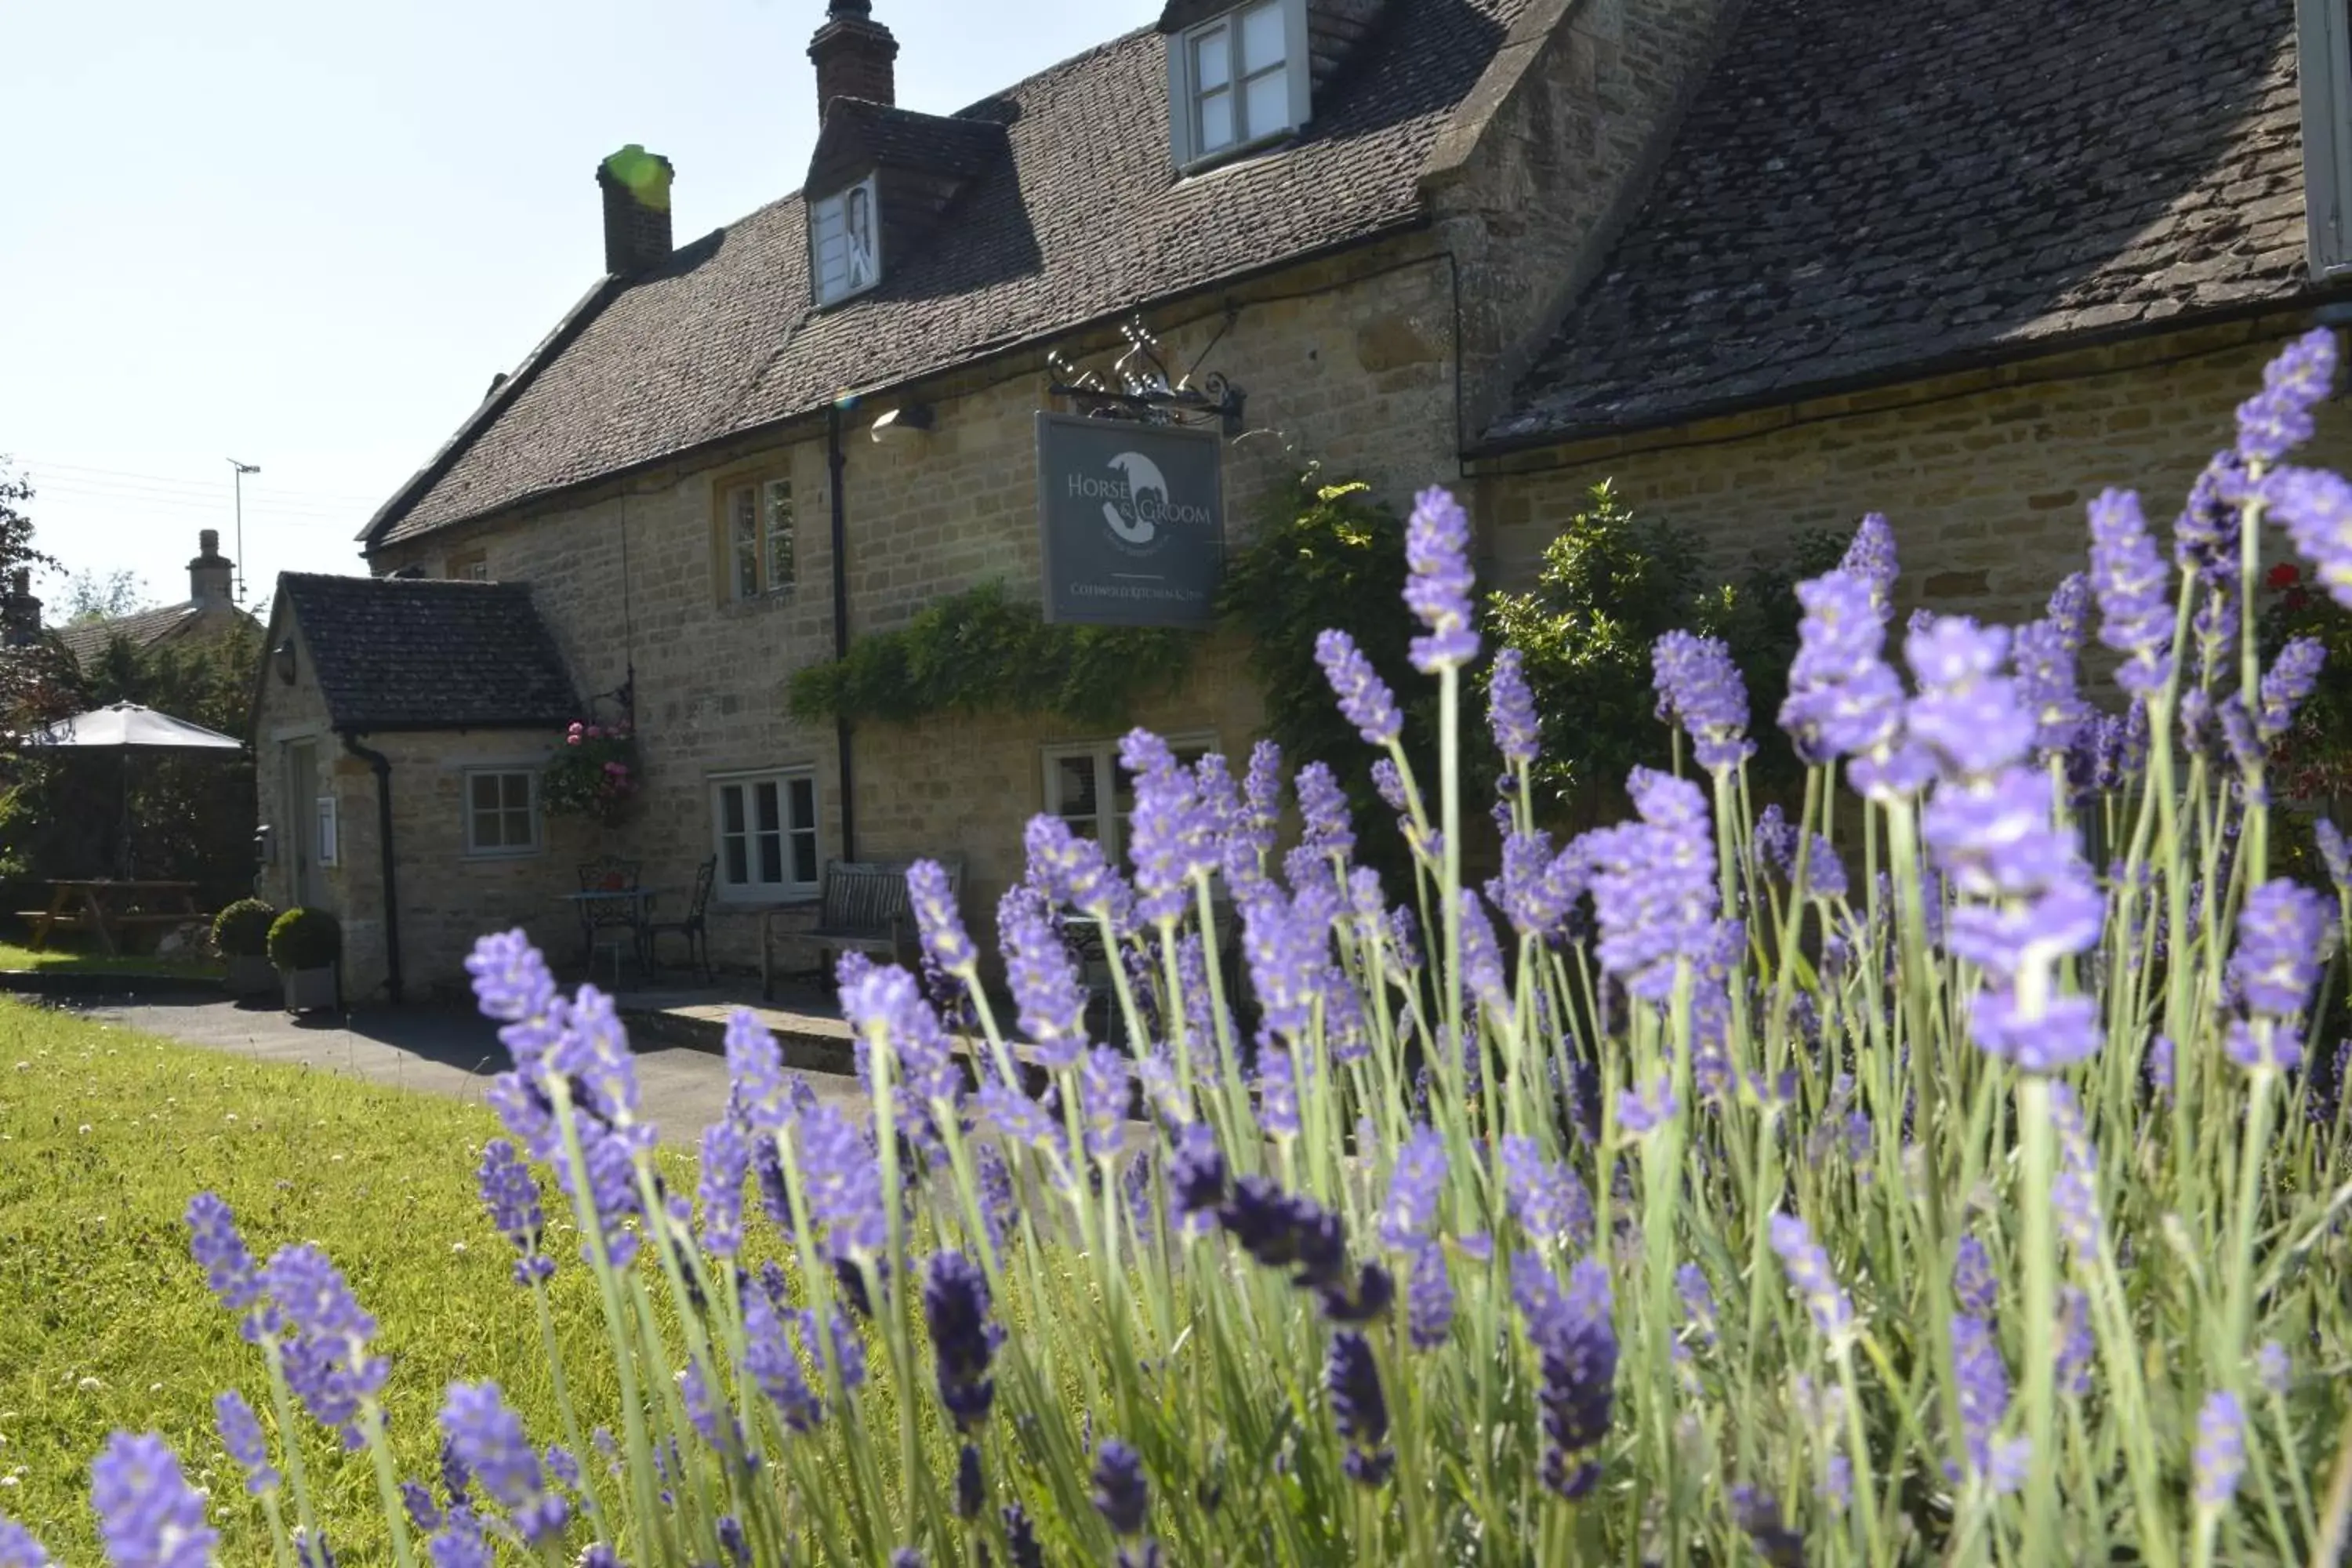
(501, 811)
(1086, 786)
(763, 830)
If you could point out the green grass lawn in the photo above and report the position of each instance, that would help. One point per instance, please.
(75, 962)
(105, 1323)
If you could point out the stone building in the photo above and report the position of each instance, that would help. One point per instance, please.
(1767, 264)
(209, 611)
(1967, 264)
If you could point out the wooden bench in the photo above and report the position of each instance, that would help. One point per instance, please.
(863, 907)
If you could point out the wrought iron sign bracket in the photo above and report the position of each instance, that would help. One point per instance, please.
(1139, 387)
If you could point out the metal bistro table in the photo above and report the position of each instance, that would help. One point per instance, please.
(105, 905)
(591, 906)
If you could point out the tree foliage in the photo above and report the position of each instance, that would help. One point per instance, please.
(94, 596)
(979, 652)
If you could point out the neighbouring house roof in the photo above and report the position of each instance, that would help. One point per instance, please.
(399, 653)
(142, 630)
(1080, 218)
(1863, 190)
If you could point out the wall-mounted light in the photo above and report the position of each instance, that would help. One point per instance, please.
(284, 653)
(914, 420)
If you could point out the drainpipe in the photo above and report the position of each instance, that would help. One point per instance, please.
(383, 766)
(837, 462)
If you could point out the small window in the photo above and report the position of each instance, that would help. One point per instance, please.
(2326, 82)
(1239, 80)
(502, 811)
(763, 830)
(328, 836)
(759, 539)
(1086, 788)
(845, 242)
(469, 566)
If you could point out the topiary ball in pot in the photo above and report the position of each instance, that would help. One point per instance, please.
(242, 929)
(305, 945)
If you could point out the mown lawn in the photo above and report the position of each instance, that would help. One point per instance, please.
(105, 1321)
(72, 961)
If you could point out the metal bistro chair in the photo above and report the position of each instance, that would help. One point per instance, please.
(613, 925)
(694, 927)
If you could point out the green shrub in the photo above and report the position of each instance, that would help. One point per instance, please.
(305, 939)
(242, 929)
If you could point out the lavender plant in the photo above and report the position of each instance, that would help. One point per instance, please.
(1680, 1195)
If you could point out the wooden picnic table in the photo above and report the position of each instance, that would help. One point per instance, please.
(107, 906)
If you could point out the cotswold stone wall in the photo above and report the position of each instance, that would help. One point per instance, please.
(1984, 476)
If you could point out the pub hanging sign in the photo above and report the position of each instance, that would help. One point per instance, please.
(1133, 517)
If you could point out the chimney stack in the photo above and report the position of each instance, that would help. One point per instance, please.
(211, 573)
(20, 612)
(635, 184)
(853, 54)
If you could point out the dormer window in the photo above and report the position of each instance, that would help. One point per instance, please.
(2325, 79)
(1238, 80)
(845, 242)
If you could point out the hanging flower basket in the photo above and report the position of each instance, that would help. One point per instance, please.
(594, 776)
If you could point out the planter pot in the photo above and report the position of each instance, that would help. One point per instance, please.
(308, 988)
(251, 974)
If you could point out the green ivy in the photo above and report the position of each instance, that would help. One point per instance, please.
(979, 652)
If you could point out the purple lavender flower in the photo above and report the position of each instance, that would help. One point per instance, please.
(733, 1542)
(2132, 584)
(488, 1438)
(963, 1341)
(1652, 884)
(1437, 555)
(1975, 1285)
(1482, 960)
(2064, 1031)
(1697, 1298)
(1043, 980)
(1415, 1184)
(2316, 507)
(774, 1364)
(1104, 1077)
(460, 1544)
(1324, 808)
(327, 1358)
(1758, 1514)
(1576, 1344)
(1277, 1091)
(938, 919)
(1121, 1494)
(1064, 869)
(725, 1163)
(1360, 1409)
(1547, 1199)
(1871, 557)
(2205, 536)
(1017, 1117)
(2219, 1456)
(1287, 943)
(18, 1549)
(2277, 419)
(1843, 699)
(843, 1182)
(1982, 1381)
(2286, 685)
(2075, 1189)
(2334, 853)
(1285, 1230)
(1775, 838)
(1645, 1110)
(1535, 892)
(971, 1489)
(1966, 713)
(1698, 684)
(1808, 1268)
(1429, 1298)
(1511, 711)
(1365, 700)
(2271, 1370)
(229, 1270)
(2077, 1344)
(240, 1434)
(2159, 1065)
(1262, 795)
(513, 985)
(1021, 1544)
(148, 1515)
(511, 1193)
(1196, 1176)
(2281, 937)
(2043, 654)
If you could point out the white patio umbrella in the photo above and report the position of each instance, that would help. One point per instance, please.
(124, 728)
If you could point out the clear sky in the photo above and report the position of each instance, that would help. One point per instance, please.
(305, 233)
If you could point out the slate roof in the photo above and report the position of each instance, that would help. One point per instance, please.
(1863, 189)
(1084, 220)
(858, 134)
(402, 653)
(142, 630)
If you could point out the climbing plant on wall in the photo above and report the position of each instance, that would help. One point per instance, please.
(979, 652)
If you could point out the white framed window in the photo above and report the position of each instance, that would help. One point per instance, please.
(763, 830)
(1086, 788)
(501, 811)
(2326, 80)
(329, 834)
(470, 566)
(1239, 80)
(845, 242)
(760, 538)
